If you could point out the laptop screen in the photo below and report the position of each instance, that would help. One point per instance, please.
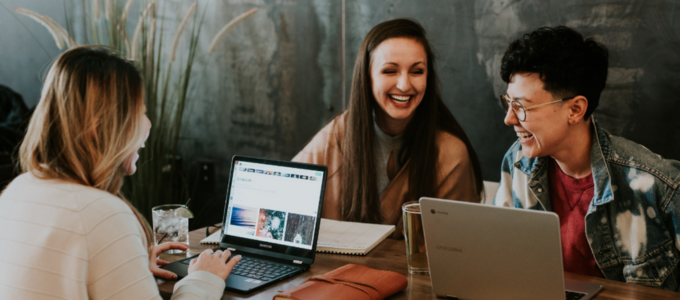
(273, 205)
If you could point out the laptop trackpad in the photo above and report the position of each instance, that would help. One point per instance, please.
(242, 282)
(181, 268)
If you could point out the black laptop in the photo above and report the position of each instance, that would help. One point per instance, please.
(271, 218)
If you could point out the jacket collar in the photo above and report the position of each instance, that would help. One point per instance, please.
(599, 152)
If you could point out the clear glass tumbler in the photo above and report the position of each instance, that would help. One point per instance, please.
(415, 239)
(168, 226)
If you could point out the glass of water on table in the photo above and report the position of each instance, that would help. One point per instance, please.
(171, 224)
(416, 256)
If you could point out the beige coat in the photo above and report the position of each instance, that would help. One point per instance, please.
(455, 178)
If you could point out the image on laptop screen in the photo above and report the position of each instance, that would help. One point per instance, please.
(273, 204)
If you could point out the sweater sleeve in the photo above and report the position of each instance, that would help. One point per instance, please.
(315, 151)
(456, 174)
(199, 285)
(118, 264)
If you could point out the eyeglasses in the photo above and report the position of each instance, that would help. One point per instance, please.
(519, 110)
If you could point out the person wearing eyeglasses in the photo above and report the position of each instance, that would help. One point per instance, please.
(618, 202)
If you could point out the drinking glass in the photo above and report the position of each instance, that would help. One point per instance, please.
(415, 239)
(168, 226)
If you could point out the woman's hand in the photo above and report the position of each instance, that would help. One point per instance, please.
(155, 263)
(217, 262)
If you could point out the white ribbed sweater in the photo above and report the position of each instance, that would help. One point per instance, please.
(60, 240)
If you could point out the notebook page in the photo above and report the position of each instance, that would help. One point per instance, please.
(214, 238)
(351, 235)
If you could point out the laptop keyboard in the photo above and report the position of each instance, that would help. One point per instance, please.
(574, 295)
(258, 269)
(262, 269)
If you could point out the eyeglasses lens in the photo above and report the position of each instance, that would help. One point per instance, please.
(504, 103)
(519, 110)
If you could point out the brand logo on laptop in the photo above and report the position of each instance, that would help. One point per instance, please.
(266, 246)
(447, 248)
(438, 212)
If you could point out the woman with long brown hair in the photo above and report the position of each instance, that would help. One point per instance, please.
(67, 231)
(397, 141)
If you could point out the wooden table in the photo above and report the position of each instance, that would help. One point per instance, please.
(390, 255)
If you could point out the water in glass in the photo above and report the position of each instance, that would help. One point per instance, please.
(415, 239)
(168, 227)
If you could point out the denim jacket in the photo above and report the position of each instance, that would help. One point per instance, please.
(633, 221)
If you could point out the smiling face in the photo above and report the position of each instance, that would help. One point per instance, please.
(130, 163)
(398, 78)
(545, 128)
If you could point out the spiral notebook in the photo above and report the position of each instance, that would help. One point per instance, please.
(350, 237)
(214, 238)
(340, 237)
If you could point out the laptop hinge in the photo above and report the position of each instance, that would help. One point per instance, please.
(299, 262)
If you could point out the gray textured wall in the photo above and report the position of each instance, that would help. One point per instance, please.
(278, 77)
(270, 86)
(26, 48)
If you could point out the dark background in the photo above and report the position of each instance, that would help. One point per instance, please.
(282, 74)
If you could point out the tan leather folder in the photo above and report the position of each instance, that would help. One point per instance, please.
(351, 282)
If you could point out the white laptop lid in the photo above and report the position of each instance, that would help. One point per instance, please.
(478, 251)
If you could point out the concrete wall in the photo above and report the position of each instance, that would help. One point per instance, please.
(281, 75)
(26, 48)
(270, 86)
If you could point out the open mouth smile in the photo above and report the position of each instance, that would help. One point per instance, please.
(401, 100)
(524, 136)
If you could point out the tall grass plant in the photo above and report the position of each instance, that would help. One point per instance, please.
(166, 69)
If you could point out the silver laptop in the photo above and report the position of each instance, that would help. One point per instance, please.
(478, 251)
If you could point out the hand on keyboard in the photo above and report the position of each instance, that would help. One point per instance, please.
(217, 262)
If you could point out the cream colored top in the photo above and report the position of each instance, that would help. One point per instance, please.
(383, 146)
(60, 240)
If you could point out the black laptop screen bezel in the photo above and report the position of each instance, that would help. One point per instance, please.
(273, 249)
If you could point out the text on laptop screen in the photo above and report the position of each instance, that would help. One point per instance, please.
(274, 204)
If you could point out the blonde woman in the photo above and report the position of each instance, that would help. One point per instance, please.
(67, 232)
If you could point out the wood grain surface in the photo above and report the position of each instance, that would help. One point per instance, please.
(390, 255)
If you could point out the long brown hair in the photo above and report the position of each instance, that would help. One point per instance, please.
(359, 191)
(87, 122)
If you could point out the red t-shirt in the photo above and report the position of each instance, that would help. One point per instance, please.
(570, 199)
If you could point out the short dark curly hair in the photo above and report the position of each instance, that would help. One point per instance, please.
(568, 64)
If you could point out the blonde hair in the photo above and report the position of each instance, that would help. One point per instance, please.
(87, 122)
